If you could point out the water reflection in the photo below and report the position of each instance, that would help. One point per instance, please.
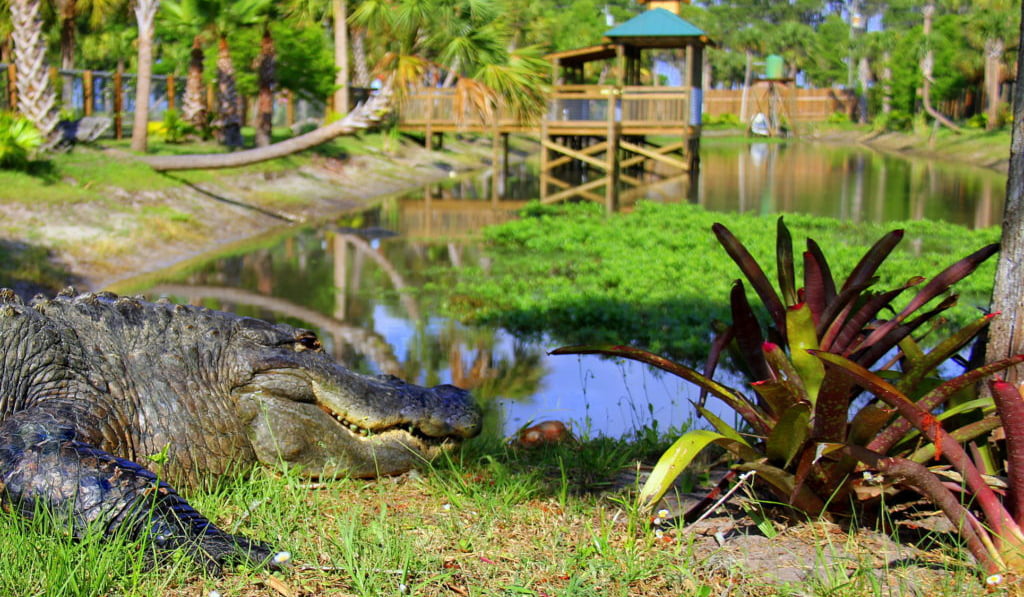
(368, 283)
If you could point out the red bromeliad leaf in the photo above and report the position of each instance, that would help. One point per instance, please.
(868, 422)
(868, 353)
(718, 345)
(968, 432)
(895, 432)
(837, 311)
(867, 313)
(938, 285)
(738, 402)
(755, 275)
(832, 408)
(828, 283)
(924, 422)
(873, 259)
(1010, 406)
(943, 351)
(747, 332)
(784, 263)
(815, 294)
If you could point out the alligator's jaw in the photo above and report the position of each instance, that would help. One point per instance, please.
(357, 426)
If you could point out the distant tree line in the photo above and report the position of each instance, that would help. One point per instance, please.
(903, 57)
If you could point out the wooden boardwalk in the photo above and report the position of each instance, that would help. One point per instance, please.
(611, 132)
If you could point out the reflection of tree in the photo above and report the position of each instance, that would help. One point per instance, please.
(471, 358)
(364, 341)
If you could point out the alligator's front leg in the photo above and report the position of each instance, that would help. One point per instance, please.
(42, 463)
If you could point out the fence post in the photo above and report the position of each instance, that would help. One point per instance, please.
(87, 97)
(118, 104)
(12, 87)
(171, 91)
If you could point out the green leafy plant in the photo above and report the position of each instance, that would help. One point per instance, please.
(175, 128)
(800, 418)
(19, 138)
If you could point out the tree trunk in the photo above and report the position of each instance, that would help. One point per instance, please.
(747, 77)
(927, 61)
(359, 58)
(36, 100)
(362, 117)
(228, 118)
(886, 83)
(339, 11)
(193, 108)
(67, 10)
(265, 101)
(1006, 334)
(994, 49)
(145, 14)
(864, 81)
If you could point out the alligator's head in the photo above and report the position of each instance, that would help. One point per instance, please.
(305, 409)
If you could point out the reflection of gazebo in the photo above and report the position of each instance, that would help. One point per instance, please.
(619, 130)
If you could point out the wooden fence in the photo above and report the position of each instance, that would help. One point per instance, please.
(802, 105)
(89, 92)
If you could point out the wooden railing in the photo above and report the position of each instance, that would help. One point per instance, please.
(569, 107)
(632, 107)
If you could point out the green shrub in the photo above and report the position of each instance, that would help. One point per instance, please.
(19, 139)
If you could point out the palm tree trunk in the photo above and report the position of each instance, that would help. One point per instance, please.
(886, 83)
(994, 49)
(927, 61)
(228, 118)
(362, 78)
(145, 14)
(193, 108)
(364, 116)
(1006, 334)
(339, 11)
(67, 10)
(36, 100)
(265, 100)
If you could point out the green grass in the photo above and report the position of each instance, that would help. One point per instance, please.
(657, 277)
(491, 520)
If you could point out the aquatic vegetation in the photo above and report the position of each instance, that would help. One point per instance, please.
(656, 277)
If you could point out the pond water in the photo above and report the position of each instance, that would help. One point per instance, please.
(357, 280)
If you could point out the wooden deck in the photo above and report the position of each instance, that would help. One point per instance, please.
(572, 110)
(610, 131)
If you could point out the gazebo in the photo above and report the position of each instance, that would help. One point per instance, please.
(615, 130)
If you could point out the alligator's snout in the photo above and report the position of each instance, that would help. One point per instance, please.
(454, 414)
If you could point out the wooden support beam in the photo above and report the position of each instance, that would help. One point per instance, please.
(581, 190)
(655, 155)
(579, 155)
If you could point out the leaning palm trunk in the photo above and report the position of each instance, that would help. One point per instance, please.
(362, 117)
(193, 108)
(265, 101)
(229, 119)
(145, 14)
(36, 100)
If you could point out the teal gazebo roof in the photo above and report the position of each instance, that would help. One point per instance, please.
(657, 24)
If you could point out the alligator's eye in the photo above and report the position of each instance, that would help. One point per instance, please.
(306, 341)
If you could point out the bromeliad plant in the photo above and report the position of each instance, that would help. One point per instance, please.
(807, 431)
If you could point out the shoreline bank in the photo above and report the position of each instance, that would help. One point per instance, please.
(97, 244)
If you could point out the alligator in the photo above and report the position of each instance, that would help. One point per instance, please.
(94, 386)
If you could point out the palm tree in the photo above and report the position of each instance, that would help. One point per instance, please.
(145, 14)
(68, 12)
(927, 64)
(460, 43)
(36, 99)
(217, 18)
(989, 25)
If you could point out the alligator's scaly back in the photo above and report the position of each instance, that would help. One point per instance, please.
(92, 384)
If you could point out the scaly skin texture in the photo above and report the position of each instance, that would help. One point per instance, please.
(90, 385)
